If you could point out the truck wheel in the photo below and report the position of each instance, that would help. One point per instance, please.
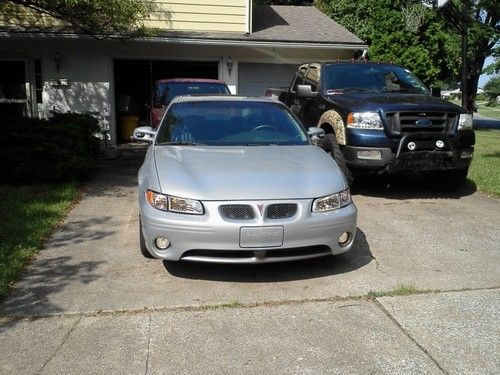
(142, 243)
(446, 180)
(330, 145)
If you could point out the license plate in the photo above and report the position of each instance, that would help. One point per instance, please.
(261, 236)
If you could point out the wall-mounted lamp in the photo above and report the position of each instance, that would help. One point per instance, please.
(57, 61)
(229, 63)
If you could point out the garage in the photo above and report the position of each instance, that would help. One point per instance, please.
(253, 78)
(134, 81)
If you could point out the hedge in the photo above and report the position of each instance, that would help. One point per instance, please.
(60, 149)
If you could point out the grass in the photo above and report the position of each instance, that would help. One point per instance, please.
(485, 167)
(400, 290)
(28, 214)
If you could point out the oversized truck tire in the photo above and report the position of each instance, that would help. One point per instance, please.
(446, 180)
(331, 145)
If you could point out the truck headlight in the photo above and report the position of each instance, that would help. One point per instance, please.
(332, 202)
(465, 122)
(364, 120)
(174, 204)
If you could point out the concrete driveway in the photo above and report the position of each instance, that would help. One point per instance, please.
(90, 303)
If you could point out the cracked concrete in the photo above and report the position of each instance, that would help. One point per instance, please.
(90, 303)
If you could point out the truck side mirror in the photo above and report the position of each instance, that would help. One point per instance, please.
(144, 134)
(305, 91)
(436, 91)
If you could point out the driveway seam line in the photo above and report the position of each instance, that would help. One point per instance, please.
(63, 341)
(407, 334)
(146, 371)
(218, 306)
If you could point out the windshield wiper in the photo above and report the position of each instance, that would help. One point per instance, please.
(349, 89)
(180, 143)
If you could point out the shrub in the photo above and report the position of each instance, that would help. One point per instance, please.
(62, 148)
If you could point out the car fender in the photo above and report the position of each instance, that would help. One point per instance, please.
(332, 122)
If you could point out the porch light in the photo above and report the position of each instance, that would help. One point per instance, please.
(229, 63)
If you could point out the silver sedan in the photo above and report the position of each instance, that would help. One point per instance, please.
(232, 179)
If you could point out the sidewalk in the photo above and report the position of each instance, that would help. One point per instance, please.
(90, 303)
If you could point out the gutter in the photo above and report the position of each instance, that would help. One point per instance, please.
(197, 41)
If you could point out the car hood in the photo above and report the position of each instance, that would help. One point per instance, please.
(367, 101)
(247, 173)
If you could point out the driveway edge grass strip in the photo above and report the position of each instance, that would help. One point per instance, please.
(28, 216)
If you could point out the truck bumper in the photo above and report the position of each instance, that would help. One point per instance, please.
(373, 159)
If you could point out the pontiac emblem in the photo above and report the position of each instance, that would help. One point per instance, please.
(261, 208)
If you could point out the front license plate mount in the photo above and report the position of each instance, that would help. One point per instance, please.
(261, 236)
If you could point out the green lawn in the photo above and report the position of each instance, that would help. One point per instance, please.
(492, 111)
(485, 168)
(27, 216)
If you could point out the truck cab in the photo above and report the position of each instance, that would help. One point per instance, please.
(380, 118)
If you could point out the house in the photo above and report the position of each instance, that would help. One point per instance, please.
(52, 69)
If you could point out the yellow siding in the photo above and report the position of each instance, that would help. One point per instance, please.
(185, 15)
(198, 15)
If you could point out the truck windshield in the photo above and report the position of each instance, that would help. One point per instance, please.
(166, 91)
(369, 77)
(217, 122)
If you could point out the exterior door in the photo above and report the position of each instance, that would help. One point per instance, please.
(14, 88)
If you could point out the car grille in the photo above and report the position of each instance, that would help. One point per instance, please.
(237, 212)
(281, 210)
(405, 122)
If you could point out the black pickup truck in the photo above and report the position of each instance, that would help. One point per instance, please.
(380, 118)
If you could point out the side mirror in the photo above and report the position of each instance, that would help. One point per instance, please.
(315, 133)
(305, 91)
(144, 134)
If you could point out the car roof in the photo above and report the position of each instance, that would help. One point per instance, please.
(190, 80)
(223, 98)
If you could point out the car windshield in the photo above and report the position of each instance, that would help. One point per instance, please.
(217, 122)
(373, 78)
(166, 91)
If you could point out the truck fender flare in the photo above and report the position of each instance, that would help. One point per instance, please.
(331, 122)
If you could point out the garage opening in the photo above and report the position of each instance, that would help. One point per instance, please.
(134, 80)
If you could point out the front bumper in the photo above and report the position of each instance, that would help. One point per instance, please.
(425, 156)
(211, 238)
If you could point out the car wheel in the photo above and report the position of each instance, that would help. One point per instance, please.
(142, 243)
(446, 180)
(330, 145)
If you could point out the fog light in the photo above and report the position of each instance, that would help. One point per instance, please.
(370, 154)
(344, 239)
(162, 243)
(466, 154)
(439, 144)
(412, 146)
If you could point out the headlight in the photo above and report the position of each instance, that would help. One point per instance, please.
(465, 122)
(185, 206)
(174, 204)
(364, 120)
(332, 202)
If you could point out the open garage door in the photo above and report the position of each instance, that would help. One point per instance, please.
(253, 79)
(134, 81)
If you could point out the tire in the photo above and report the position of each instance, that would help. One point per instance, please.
(446, 180)
(142, 243)
(331, 146)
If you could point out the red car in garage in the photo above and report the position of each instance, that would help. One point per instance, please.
(167, 89)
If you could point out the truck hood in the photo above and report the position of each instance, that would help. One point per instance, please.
(246, 173)
(392, 102)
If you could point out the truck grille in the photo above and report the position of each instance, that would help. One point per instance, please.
(431, 121)
(281, 210)
(237, 212)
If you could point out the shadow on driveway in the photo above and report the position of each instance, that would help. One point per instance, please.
(359, 256)
(401, 187)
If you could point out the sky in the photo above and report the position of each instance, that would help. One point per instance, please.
(484, 78)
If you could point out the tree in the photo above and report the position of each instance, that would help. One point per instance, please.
(433, 52)
(492, 89)
(99, 18)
